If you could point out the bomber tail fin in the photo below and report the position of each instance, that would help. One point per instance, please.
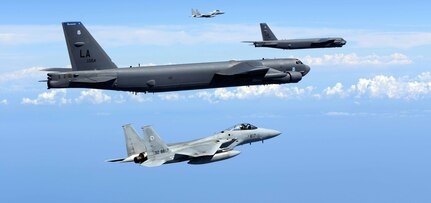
(266, 32)
(84, 51)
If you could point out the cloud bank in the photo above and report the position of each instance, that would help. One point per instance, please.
(378, 87)
(12, 35)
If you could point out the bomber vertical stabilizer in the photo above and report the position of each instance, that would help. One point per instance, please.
(267, 34)
(84, 51)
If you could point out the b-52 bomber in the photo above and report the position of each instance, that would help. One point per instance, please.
(271, 41)
(92, 68)
(152, 151)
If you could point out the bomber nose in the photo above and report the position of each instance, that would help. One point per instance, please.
(343, 42)
(307, 69)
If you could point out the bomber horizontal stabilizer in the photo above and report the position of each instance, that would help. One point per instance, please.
(57, 69)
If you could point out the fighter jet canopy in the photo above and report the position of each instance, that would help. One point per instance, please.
(242, 126)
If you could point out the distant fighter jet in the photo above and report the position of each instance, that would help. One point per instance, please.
(152, 151)
(197, 14)
(92, 68)
(269, 40)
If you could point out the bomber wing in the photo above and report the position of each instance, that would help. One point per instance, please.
(246, 68)
(251, 69)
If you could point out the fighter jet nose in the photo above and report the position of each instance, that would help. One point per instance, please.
(274, 133)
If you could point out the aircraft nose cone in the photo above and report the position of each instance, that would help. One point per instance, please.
(273, 133)
(343, 42)
(307, 69)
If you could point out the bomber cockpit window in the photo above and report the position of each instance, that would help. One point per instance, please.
(298, 62)
(242, 126)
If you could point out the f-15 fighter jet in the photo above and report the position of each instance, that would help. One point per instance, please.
(197, 14)
(152, 151)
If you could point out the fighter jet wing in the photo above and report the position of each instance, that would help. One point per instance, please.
(153, 163)
(246, 68)
(202, 149)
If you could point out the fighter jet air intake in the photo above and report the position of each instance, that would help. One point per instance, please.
(269, 40)
(92, 68)
(152, 151)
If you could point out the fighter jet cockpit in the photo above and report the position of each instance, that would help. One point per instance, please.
(242, 126)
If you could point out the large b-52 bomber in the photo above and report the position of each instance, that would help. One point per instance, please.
(92, 68)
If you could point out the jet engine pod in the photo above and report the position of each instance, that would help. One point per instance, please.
(294, 77)
(216, 157)
(56, 81)
(141, 158)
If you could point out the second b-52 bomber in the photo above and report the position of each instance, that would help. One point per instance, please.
(92, 68)
(152, 151)
(271, 41)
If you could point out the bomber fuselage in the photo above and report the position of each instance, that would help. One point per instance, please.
(178, 77)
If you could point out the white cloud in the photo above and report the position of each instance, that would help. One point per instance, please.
(140, 98)
(20, 74)
(170, 96)
(29, 34)
(208, 33)
(354, 59)
(390, 87)
(338, 89)
(50, 97)
(93, 96)
(337, 113)
(246, 92)
(367, 39)
(377, 87)
(4, 102)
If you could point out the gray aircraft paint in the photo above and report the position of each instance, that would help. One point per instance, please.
(197, 14)
(201, 151)
(92, 68)
(271, 41)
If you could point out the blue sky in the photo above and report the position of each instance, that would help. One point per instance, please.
(355, 129)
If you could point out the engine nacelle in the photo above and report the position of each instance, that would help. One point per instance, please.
(141, 158)
(57, 81)
(294, 77)
(291, 77)
(216, 157)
